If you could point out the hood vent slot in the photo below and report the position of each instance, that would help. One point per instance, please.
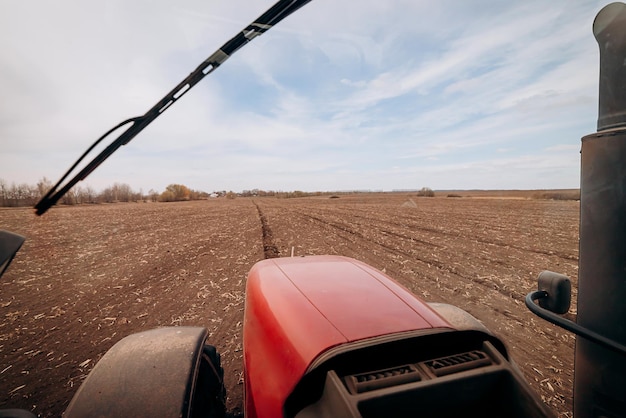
(365, 382)
(457, 363)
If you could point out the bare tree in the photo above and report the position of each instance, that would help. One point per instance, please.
(122, 192)
(4, 193)
(90, 194)
(73, 196)
(30, 194)
(106, 195)
(13, 195)
(153, 195)
(43, 186)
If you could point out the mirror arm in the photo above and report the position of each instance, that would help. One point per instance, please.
(570, 325)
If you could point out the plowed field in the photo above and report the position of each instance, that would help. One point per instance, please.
(88, 276)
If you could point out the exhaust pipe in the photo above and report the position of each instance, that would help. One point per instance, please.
(600, 374)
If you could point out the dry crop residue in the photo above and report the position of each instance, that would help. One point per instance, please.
(88, 276)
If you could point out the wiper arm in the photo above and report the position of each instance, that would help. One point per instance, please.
(271, 17)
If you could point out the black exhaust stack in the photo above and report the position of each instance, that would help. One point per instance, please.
(600, 373)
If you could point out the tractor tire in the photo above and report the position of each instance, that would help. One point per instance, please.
(210, 396)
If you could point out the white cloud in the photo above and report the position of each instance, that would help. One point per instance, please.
(336, 95)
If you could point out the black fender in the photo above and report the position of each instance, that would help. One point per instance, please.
(165, 372)
(10, 243)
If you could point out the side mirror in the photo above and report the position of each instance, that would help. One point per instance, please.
(553, 297)
(559, 292)
(10, 243)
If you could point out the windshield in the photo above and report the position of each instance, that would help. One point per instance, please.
(438, 143)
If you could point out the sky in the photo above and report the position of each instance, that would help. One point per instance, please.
(342, 95)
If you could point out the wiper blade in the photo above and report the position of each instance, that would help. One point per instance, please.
(262, 24)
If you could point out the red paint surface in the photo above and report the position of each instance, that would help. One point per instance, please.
(297, 308)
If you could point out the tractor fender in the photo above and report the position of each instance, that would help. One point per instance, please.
(458, 318)
(151, 373)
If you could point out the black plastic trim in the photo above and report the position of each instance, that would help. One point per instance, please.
(569, 325)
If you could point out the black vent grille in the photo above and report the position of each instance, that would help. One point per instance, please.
(383, 374)
(457, 363)
(382, 378)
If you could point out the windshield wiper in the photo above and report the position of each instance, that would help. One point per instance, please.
(271, 17)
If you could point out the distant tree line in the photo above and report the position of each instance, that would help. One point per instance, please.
(279, 194)
(23, 194)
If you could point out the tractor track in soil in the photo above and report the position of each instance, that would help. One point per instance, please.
(269, 248)
(88, 276)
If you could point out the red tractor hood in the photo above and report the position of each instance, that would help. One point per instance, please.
(299, 307)
(353, 298)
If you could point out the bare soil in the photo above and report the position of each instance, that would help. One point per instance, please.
(88, 276)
